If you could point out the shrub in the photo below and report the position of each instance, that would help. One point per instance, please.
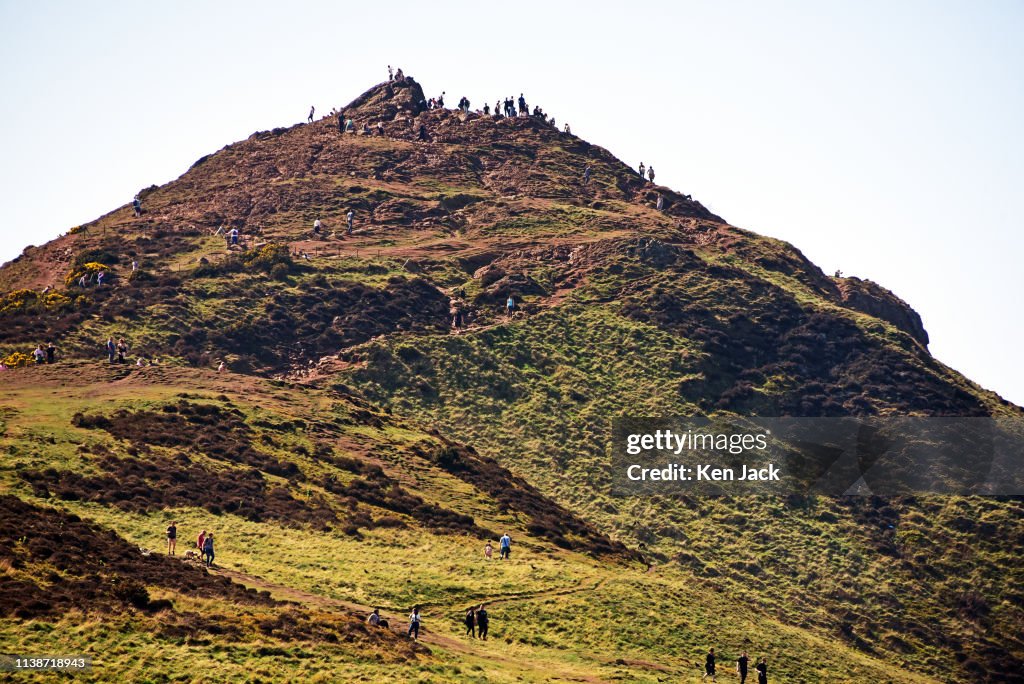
(18, 359)
(279, 272)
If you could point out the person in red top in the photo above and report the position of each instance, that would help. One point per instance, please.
(200, 540)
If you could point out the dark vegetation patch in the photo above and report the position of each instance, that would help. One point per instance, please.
(75, 564)
(375, 488)
(752, 331)
(207, 428)
(547, 518)
(323, 317)
(156, 483)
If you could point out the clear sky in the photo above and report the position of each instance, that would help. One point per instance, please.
(882, 138)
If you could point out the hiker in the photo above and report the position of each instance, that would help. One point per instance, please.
(349, 216)
(99, 278)
(497, 108)
(366, 129)
(51, 352)
(111, 349)
(199, 541)
(311, 110)
(487, 109)
(233, 236)
(135, 265)
(762, 671)
(567, 131)
(709, 666)
(505, 547)
(482, 622)
(374, 619)
(510, 306)
(316, 227)
(83, 281)
(650, 173)
(423, 133)
(39, 355)
(457, 319)
(350, 126)
(488, 551)
(380, 128)
(470, 621)
(642, 167)
(660, 202)
(414, 623)
(208, 549)
(741, 667)
(391, 77)
(522, 105)
(220, 367)
(341, 123)
(586, 175)
(440, 101)
(172, 538)
(122, 349)
(137, 206)
(399, 76)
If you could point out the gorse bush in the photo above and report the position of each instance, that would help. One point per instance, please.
(30, 301)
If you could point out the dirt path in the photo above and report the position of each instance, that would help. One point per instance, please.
(397, 622)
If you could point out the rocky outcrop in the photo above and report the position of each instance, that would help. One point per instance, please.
(873, 299)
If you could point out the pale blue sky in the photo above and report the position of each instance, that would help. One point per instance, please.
(882, 138)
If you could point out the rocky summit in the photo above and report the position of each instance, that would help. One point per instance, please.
(311, 355)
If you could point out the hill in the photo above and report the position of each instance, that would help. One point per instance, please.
(357, 451)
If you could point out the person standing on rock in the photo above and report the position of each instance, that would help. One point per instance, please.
(482, 622)
(660, 202)
(470, 621)
(523, 110)
(650, 173)
(642, 167)
(311, 110)
(391, 74)
(137, 206)
(349, 216)
(568, 131)
(172, 538)
(414, 623)
(505, 547)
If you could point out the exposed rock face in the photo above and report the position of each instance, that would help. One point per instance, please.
(873, 299)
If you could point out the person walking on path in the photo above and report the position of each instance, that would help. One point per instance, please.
(414, 623)
(311, 110)
(137, 206)
(505, 547)
(199, 541)
(709, 666)
(762, 671)
(586, 174)
(650, 173)
(316, 227)
(172, 538)
(741, 667)
(510, 306)
(482, 622)
(349, 216)
(111, 349)
(488, 551)
(642, 167)
(470, 621)
(208, 549)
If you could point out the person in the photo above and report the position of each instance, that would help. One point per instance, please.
(586, 174)
(135, 265)
(366, 129)
(51, 352)
(172, 538)
(741, 667)
(380, 128)
(414, 623)
(99, 278)
(349, 216)
(567, 130)
(762, 671)
(660, 202)
(220, 367)
(140, 362)
(399, 75)
(350, 126)
(457, 319)
(482, 622)
(440, 101)
(505, 547)
(522, 105)
(122, 349)
(341, 123)
(423, 133)
(199, 541)
(471, 623)
(374, 619)
(111, 349)
(709, 666)
(510, 306)
(642, 167)
(233, 236)
(391, 77)
(208, 549)
(487, 109)
(650, 173)
(39, 355)
(137, 206)
(311, 110)
(488, 551)
(83, 281)
(316, 227)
